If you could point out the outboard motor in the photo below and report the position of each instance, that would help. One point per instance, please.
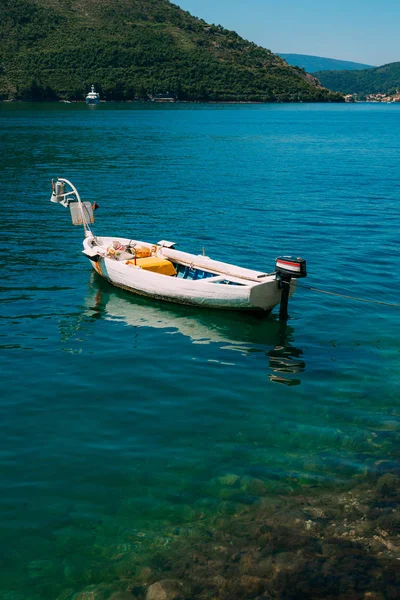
(288, 267)
(58, 191)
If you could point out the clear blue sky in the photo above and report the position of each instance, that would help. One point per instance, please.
(364, 31)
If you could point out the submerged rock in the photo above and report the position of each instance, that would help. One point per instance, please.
(250, 586)
(253, 486)
(91, 593)
(144, 575)
(167, 589)
(229, 479)
(388, 484)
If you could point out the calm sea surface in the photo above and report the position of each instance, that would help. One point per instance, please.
(118, 414)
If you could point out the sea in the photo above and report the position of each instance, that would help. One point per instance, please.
(131, 428)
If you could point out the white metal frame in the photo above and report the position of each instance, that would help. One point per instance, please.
(74, 192)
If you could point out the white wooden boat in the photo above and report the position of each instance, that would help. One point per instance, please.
(160, 271)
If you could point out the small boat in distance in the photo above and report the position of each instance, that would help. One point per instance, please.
(165, 98)
(92, 97)
(158, 270)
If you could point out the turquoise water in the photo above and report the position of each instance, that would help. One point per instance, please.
(119, 415)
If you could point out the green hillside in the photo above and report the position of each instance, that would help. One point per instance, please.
(317, 63)
(54, 49)
(384, 79)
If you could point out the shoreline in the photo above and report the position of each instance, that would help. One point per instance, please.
(169, 103)
(166, 103)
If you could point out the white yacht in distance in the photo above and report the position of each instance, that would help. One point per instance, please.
(92, 97)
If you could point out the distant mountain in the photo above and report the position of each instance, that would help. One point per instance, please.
(317, 63)
(55, 49)
(385, 79)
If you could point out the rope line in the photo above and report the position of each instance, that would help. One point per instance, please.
(313, 289)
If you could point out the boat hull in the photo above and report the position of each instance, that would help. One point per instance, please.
(234, 306)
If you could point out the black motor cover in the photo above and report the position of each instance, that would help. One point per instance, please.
(291, 266)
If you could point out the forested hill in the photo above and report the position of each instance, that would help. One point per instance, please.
(318, 63)
(385, 79)
(52, 49)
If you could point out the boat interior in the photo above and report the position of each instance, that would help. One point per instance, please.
(196, 274)
(150, 258)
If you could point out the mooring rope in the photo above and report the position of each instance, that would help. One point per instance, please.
(314, 289)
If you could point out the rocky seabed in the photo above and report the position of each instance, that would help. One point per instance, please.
(315, 543)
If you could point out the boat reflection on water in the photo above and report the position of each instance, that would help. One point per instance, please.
(285, 360)
(232, 331)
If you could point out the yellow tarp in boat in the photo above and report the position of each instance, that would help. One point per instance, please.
(155, 264)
